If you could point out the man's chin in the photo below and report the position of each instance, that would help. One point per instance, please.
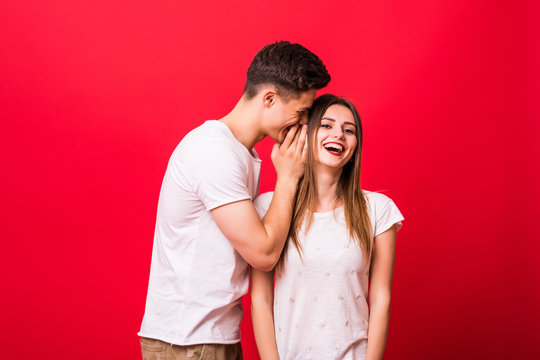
(278, 137)
(282, 135)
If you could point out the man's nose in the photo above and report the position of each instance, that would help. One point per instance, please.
(303, 120)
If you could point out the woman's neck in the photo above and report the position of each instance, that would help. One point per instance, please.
(327, 181)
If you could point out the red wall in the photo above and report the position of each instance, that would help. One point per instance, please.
(95, 95)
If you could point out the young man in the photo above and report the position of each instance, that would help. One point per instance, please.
(207, 229)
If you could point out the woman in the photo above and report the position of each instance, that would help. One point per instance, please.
(340, 239)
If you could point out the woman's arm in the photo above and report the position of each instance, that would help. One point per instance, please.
(380, 287)
(262, 313)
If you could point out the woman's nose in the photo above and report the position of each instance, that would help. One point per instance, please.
(338, 133)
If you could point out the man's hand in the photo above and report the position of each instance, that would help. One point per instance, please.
(289, 157)
(261, 243)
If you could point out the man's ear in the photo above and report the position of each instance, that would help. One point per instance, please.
(269, 97)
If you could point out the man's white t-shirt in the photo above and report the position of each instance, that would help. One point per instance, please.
(197, 278)
(320, 300)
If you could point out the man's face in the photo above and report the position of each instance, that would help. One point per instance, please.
(284, 115)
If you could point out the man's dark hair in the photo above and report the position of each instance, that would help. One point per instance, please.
(291, 68)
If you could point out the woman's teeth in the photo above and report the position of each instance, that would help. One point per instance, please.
(334, 148)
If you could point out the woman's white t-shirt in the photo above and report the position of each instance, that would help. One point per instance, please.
(320, 299)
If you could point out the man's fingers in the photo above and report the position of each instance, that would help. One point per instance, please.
(294, 143)
(289, 137)
(305, 151)
(301, 140)
(275, 149)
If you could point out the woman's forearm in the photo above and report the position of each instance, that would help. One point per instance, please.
(263, 328)
(380, 290)
(379, 316)
(262, 314)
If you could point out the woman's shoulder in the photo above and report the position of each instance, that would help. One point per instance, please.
(383, 212)
(262, 202)
(265, 198)
(375, 198)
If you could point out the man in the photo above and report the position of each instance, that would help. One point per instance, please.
(207, 229)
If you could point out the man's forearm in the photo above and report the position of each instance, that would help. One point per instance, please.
(277, 220)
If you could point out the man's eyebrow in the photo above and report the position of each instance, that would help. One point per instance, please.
(305, 108)
(346, 122)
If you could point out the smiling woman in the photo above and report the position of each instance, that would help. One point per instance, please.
(341, 244)
(337, 136)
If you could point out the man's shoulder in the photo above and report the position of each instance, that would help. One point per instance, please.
(207, 132)
(210, 140)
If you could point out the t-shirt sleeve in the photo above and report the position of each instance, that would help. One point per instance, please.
(386, 215)
(262, 203)
(219, 174)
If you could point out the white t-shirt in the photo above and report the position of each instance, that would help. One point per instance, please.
(320, 300)
(197, 278)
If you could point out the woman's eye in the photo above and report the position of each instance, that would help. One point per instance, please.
(349, 131)
(326, 126)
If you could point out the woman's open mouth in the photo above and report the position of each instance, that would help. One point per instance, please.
(334, 148)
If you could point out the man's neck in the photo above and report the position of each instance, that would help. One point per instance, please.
(245, 124)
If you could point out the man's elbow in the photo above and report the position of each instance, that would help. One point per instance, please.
(264, 256)
(265, 265)
(265, 262)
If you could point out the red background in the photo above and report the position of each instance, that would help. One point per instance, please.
(95, 95)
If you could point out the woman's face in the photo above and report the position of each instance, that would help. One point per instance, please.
(335, 142)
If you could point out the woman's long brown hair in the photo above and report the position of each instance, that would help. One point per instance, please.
(348, 189)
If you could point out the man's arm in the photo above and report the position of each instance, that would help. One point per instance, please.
(260, 242)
